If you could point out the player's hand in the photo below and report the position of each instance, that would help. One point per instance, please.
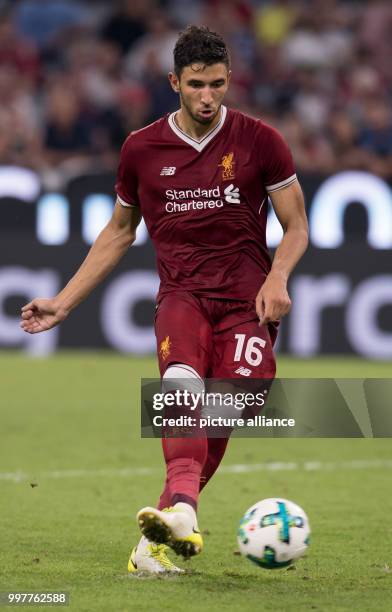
(41, 314)
(272, 301)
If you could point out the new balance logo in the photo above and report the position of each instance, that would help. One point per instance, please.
(168, 170)
(243, 371)
(232, 194)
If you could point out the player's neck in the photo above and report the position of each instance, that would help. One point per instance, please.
(193, 128)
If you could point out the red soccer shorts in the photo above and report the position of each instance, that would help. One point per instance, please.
(218, 338)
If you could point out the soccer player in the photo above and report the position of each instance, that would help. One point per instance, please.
(201, 178)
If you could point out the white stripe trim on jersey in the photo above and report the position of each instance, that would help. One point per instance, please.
(125, 204)
(262, 204)
(282, 184)
(199, 145)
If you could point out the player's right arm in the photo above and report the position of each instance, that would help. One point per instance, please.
(42, 314)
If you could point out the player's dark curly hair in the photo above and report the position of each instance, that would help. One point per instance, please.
(199, 45)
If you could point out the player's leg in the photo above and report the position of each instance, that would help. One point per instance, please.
(230, 362)
(184, 339)
(183, 456)
(184, 346)
(184, 459)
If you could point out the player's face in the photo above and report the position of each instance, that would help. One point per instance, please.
(202, 89)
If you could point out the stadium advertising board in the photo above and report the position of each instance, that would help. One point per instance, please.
(341, 290)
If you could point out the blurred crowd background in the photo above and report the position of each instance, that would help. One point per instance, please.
(77, 76)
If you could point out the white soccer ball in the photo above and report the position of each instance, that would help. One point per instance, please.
(273, 533)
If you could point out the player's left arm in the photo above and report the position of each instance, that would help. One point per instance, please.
(273, 301)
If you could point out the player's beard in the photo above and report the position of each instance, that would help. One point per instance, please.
(198, 118)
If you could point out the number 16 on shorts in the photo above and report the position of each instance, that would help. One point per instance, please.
(253, 355)
(251, 352)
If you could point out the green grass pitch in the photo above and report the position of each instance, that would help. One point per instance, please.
(72, 478)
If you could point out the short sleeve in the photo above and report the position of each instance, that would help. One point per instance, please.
(127, 183)
(276, 161)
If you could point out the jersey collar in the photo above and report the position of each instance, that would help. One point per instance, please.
(199, 145)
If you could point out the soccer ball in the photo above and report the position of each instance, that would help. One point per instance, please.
(273, 533)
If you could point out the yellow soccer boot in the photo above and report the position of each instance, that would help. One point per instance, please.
(152, 558)
(176, 527)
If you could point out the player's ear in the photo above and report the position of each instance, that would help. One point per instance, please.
(174, 82)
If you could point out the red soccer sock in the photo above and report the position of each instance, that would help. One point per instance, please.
(216, 451)
(165, 498)
(184, 458)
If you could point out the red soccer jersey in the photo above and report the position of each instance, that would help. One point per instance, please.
(205, 202)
